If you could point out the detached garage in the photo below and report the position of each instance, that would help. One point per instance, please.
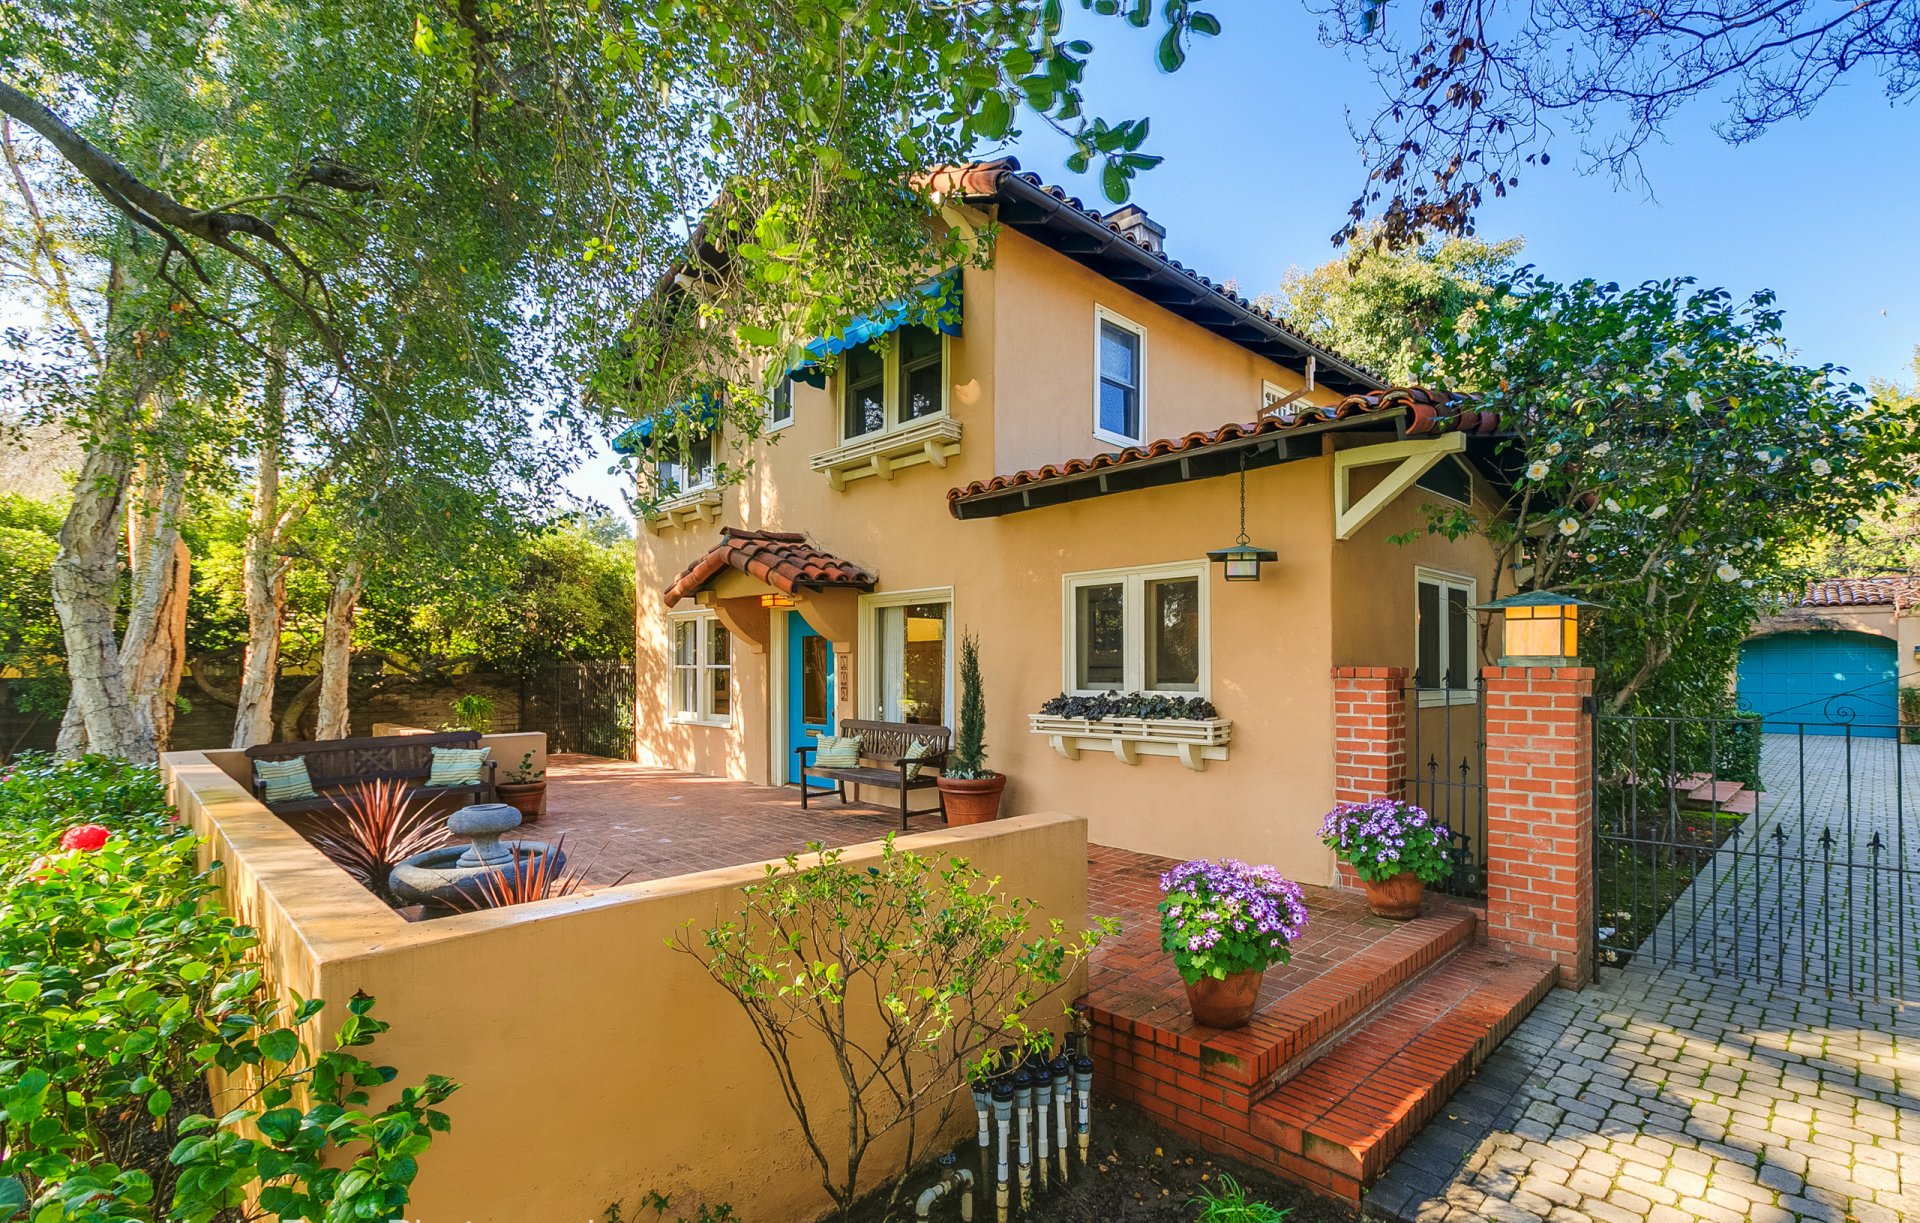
(1833, 662)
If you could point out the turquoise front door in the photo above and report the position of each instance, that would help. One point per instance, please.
(809, 690)
(1827, 683)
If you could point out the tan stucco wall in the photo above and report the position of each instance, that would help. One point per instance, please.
(1028, 350)
(596, 1064)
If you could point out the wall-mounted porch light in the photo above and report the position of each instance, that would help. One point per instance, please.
(1540, 628)
(777, 600)
(1242, 561)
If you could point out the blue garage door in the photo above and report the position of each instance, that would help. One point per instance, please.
(1824, 681)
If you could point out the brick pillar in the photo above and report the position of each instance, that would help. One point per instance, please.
(1369, 738)
(1540, 891)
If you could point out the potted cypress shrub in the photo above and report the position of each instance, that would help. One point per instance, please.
(969, 790)
(1396, 848)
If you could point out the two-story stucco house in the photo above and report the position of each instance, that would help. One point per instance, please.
(1051, 476)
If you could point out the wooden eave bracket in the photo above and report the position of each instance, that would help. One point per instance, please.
(1415, 456)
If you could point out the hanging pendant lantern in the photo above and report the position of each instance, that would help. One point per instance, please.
(1242, 561)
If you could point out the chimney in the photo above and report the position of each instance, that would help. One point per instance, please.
(1133, 221)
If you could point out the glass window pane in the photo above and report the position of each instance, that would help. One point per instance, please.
(686, 687)
(1173, 634)
(864, 371)
(913, 663)
(719, 642)
(699, 460)
(683, 643)
(1459, 651)
(920, 391)
(1119, 381)
(1119, 354)
(918, 344)
(1100, 636)
(780, 409)
(720, 704)
(1119, 411)
(1427, 614)
(813, 680)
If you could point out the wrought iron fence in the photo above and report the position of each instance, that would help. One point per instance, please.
(1446, 774)
(583, 706)
(1776, 851)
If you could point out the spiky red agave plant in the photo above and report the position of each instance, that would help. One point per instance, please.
(540, 879)
(376, 827)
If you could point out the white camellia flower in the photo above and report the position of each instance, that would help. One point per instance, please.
(1613, 507)
(1602, 450)
(1726, 572)
(1695, 402)
(1746, 583)
(1659, 511)
(1553, 448)
(1853, 524)
(1569, 527)
(1537, 470)
(1821, 467)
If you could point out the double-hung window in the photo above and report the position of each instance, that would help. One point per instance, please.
(702, 668)
(1119, 404)
(889, 384)
(909, 660)
(1444, 649)
(684, 468)
(1141, 630)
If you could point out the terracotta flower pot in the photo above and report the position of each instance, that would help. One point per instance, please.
(528, 798)
(972, 800)
(1398, 898)
(1225, 1003)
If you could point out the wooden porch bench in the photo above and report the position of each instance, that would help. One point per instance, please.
(884, 744)
(336, 765)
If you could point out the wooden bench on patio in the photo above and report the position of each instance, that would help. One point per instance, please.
(336, 765)
(885, 745)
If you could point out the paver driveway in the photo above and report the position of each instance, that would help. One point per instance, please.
(1708, 1080)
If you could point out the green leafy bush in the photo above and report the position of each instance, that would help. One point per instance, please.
(122, 982)
(1130, 705)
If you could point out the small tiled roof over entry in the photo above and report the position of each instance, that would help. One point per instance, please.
(1894, 589)
(783, 560)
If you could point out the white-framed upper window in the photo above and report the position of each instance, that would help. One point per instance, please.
(780, 406)
(888, 385)
(702, 668)
(685, 468)
(1120, 378)
(907, 656)
(1443, 638)
(1137, 630)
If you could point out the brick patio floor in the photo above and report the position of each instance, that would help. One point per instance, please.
(638, 822)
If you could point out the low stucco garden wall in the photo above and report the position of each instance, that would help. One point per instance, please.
(596, 1063)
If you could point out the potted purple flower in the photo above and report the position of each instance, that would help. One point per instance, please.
(1395, 847)
(1225, 922)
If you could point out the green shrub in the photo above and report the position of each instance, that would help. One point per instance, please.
(122, 982)
(1229, 1203)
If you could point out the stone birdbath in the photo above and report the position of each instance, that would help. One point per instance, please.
(453, 878)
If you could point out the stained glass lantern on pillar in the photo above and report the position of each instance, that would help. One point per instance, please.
(1539, 628)
(1242, 561)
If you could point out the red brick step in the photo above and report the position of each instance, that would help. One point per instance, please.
(1340, 1121)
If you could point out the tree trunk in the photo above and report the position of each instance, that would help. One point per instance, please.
(153, 649)
(263, 578)
(336, 652)
(86, 582)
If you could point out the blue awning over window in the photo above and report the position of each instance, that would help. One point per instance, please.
(702, 406)
(883, 320)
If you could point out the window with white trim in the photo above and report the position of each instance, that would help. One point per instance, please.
(702, 668)
(891, 383)
(684, 467)
(780, 405)
(1140, 630)
(1443, 635)
(1120, 383)
(907, 656)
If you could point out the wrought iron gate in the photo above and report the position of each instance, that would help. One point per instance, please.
(583, 706)
(1446, 774)
(1774, 851)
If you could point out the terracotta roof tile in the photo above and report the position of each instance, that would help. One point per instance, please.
(783, 560)
(982, 178)
(1429, 412)
(1900, 590)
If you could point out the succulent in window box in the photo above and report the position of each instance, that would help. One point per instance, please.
(969, 790)
(1152, 706)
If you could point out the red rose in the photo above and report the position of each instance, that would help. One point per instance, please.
(85, 837)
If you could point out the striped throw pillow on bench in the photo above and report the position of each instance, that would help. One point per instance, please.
(457, 766)
(284, 781)
(833, 753)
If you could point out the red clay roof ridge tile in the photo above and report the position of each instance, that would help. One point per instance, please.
(783, 560)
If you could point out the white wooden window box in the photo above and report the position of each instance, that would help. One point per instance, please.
(933, 439)
(700, 505)
(1194, 741)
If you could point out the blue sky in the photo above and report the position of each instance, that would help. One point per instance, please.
(1260, 167)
